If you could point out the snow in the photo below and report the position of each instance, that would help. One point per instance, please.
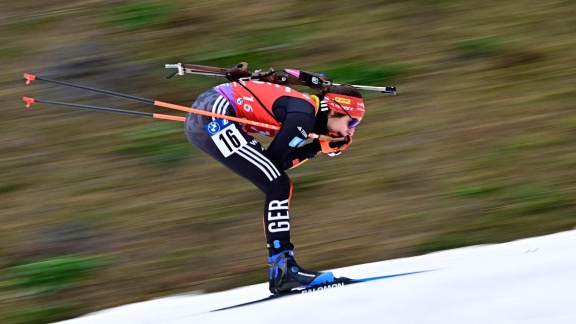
(526, 281)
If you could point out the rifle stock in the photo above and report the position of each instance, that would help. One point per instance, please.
(239, 71)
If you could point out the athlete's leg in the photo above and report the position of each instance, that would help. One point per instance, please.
(251, 162)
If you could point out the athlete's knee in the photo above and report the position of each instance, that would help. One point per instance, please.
(280, 187)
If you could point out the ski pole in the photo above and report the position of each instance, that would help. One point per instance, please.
(29, 101)
(31, 77)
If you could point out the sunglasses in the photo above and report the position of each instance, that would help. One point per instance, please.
(353, 122)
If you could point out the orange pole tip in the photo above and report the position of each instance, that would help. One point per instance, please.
(169, 117)
(28, 101)
(29, 77)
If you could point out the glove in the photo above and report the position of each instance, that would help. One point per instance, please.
(333, 148)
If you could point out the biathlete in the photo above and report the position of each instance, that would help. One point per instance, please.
(334, 111)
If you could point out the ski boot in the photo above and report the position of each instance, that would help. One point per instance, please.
(286, 274)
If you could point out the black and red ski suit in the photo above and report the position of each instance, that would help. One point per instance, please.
(295, 112)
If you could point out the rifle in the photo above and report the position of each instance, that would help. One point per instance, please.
(287, 77)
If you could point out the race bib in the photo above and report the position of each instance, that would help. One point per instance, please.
(226, 136)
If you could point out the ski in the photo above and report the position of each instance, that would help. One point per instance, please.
(338, 283)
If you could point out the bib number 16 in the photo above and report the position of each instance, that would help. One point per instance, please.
(226, 136)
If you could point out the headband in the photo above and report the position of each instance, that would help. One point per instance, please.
(354, 106)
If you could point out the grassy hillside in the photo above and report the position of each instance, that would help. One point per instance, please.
(100, 210)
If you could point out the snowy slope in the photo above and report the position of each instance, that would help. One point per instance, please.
(526, 281)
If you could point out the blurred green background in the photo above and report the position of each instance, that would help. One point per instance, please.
(100, 209)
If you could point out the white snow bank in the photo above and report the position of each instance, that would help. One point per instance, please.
(526, 281)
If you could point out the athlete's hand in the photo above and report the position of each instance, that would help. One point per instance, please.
(333, 148)
(343, 144)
